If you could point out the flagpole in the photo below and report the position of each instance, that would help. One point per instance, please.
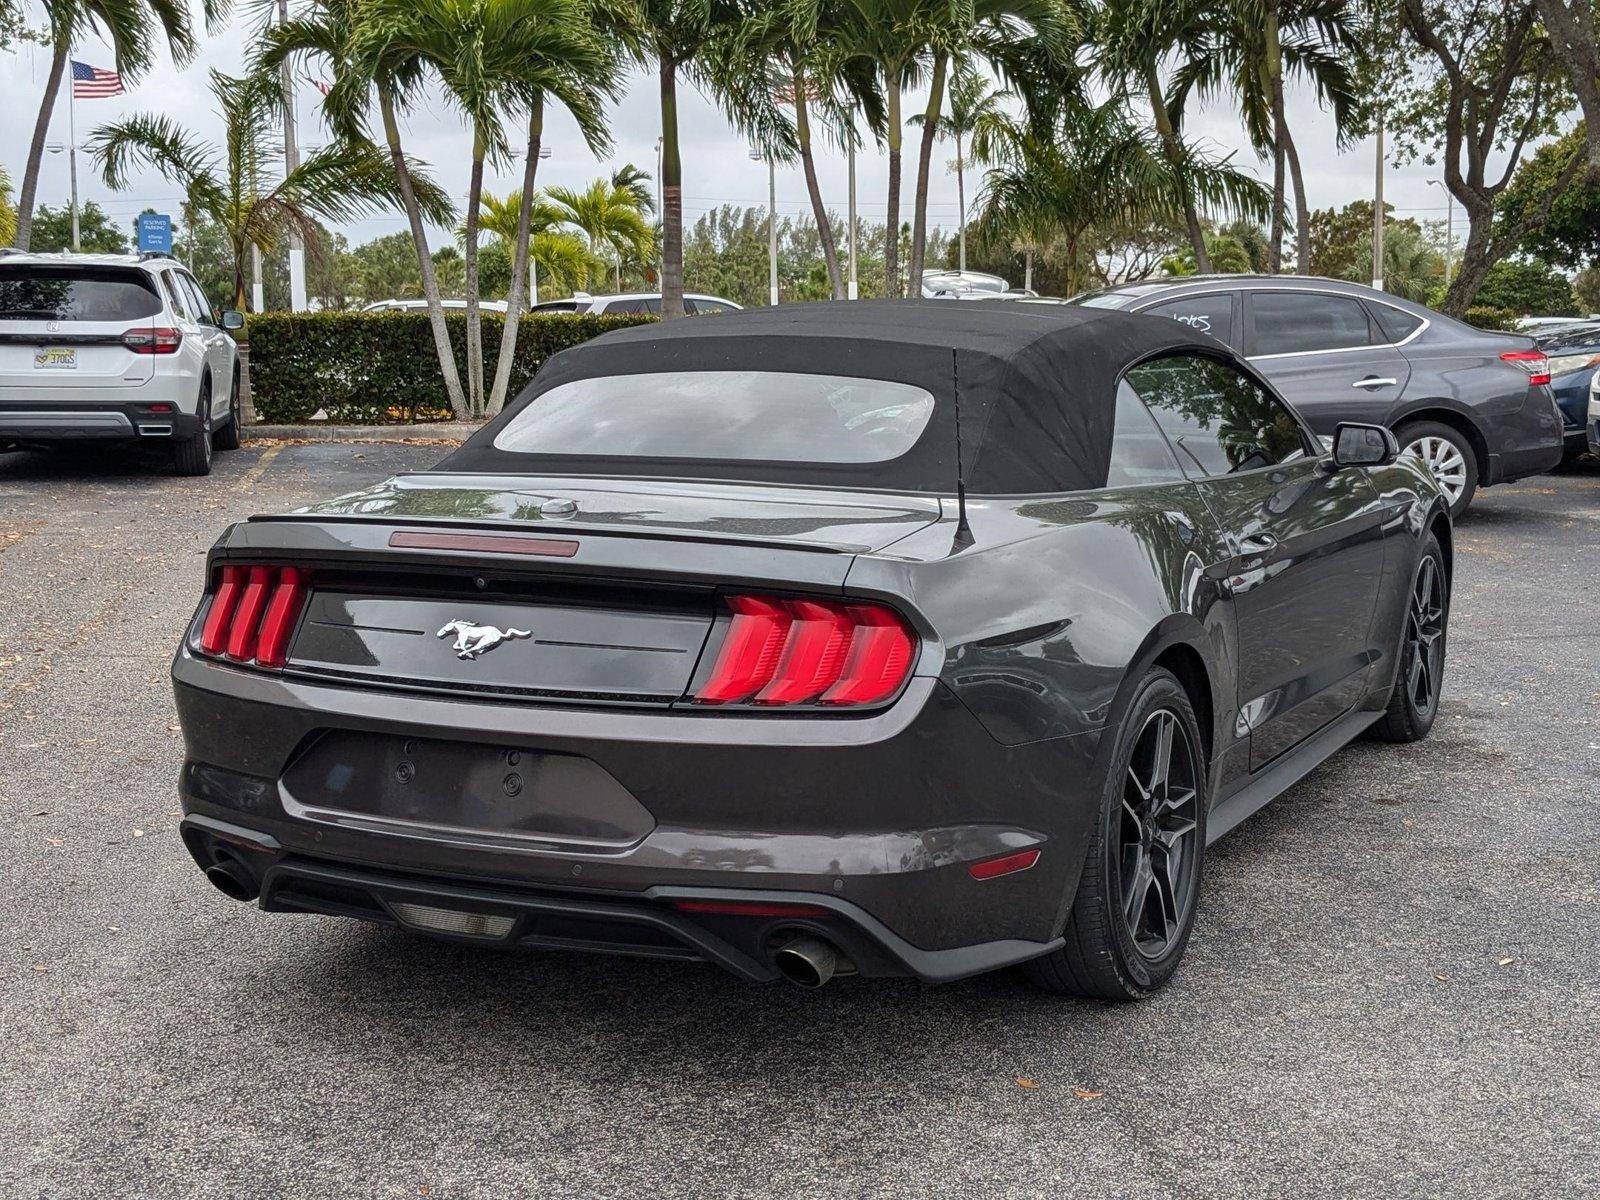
(72, 153)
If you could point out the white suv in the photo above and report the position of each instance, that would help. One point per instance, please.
(115, 346)
(694, 304)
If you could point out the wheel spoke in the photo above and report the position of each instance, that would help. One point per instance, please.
(1138, 891)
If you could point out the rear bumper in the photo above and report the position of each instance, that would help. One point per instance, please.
(877, 819)
(645, 925)
(84, 420)
(1529, 442)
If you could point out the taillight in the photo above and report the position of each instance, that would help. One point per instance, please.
(779, 652)
(157, 339)
(253, 613)
(1534, 362)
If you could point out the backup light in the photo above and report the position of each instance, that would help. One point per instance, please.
(783, 652)
(253, 614)
(452, 920)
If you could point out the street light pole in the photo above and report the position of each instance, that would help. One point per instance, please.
(855, 287)
(72, 161)
(1377, 212)
(291, 160)
(772, 223)
(533, 263)
(1449, 229)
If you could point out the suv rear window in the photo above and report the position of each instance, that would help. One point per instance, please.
(75, 294)
(765, 416)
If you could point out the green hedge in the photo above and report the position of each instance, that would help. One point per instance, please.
(1487, 316)
(369, 368)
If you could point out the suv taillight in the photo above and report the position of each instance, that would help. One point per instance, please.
(253, 613)
(778, 652)
(157, 339)
(1534, 362)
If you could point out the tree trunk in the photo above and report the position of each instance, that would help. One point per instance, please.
(521, 254)
(419, 238)
(474, 309)
(891, 227)
(1302, 213)
(41, 130)
(1275, 230)
(1476, 259)
(808, 165)
(671, 196)
(919, 205)
(961, 202)
(1173, 149)
(1280, 130)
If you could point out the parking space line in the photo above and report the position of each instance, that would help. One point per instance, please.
(249, 478)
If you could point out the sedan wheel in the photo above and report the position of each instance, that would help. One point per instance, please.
(1449, 458)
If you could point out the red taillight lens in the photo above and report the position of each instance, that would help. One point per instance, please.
(1535, 362)
(784, 652)
(253, 614)
(156, 339)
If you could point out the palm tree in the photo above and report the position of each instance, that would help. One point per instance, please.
(1248, 48)
(562, 255)
(493, 56)
(327, 30)
(235, 184)
(974, 101)
(611, 217)
(133, 27)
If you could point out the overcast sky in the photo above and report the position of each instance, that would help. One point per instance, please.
(716, 166)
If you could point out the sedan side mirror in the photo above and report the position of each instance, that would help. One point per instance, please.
(1364, 446)
(232, 319)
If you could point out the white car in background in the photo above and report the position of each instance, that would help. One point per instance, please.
(498, 306)
(694, 304)
(971, 285)
(115, 347)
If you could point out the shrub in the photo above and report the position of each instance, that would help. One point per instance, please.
(369, 368)
(1487, 316)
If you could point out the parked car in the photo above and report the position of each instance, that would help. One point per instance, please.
(694, 304)
(116, 347)
(970, 285)
(721, 644)
(449, 305)
(1574, 353)
(1476, 406)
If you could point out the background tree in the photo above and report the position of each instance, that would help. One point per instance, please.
(235, 184)
(1573, 27)
(1488, 79)
(97, 233)
(1569, 236)
(8, 209)
(613, 218)
(134, 28)
(1527, 288)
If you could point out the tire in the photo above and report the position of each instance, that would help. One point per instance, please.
(1105, 956)
(1410, 715)
(192, 455)
(226, 435)
(1442, 446)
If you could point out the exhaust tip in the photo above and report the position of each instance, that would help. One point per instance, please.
(807, 962)
(232, 880)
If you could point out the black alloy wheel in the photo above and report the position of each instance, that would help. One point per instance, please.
(1157, 837)
(1419, 679)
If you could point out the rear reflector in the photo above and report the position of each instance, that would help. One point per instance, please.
(1008, 865)
(743, 908)
(777, 652)
(253, 614)
(153, 340)
(452, 920)
(1534, 362)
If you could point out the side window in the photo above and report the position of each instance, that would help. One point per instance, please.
(1299, 322)
(177, 295)
(206, 314)
(1213, 314)
(636, 305)
(1397, 326)
(1220, 420)
(1139, 452)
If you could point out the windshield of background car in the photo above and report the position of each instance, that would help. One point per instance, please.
(75, 294)
(768, 416)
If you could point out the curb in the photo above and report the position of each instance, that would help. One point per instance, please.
(435, 431)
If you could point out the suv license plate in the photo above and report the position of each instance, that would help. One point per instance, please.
(56, 358)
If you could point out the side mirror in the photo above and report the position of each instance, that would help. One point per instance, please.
(1364, 446)
(232, 319)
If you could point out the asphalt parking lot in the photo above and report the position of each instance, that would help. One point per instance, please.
(1394, 987)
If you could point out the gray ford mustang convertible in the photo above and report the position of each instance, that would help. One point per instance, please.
(901, 639)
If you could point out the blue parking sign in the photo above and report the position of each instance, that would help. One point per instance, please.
(154, 232)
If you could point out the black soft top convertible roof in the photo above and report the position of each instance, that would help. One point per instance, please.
(1037, 386)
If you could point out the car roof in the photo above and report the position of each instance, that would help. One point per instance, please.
(66, 258)
(1153, 287)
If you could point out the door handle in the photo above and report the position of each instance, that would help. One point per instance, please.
(1258, 543)
(1373, 381)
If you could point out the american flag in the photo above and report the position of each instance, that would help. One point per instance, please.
(94, 83)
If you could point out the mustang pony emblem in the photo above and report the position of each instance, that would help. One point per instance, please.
(473, 640)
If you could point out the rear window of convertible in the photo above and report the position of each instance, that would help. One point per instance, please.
(766, 416)
(75, 294)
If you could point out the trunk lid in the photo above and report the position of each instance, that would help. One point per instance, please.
(61, 327)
